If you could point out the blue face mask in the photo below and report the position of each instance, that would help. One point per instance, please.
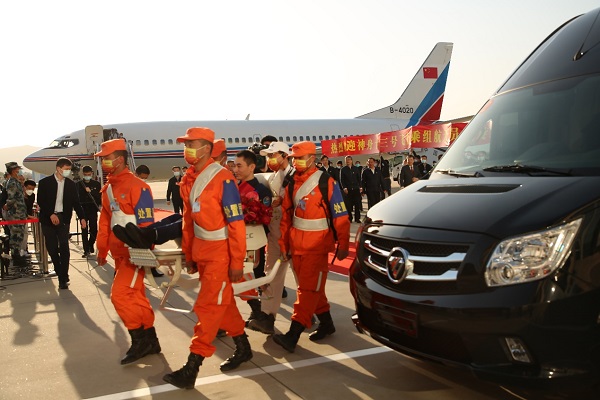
(87, 177)
(20, 173)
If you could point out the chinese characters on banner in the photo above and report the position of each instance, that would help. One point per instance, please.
(418, 136)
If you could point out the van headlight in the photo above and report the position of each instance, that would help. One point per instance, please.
(530, 257)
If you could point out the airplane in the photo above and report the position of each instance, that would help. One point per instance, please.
(154, 143)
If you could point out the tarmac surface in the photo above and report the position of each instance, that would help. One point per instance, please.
(66, 344)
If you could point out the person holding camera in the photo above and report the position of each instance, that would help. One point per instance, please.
(90, 199)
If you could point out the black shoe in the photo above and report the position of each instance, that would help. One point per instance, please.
(122, 235)
(284, 293)
(91, 249)
(264, 324)
(156, 273)
(63, 286)
(85, 255)
(256, 311)
(221, 333)
(143, 237)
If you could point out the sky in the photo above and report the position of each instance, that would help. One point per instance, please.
(68, 64)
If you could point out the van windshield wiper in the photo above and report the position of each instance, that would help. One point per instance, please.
(527, 169)
(457, 174)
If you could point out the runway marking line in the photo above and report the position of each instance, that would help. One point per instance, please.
(132, 394)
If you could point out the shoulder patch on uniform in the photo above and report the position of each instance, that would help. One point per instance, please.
(144, 209)
(232, 203)
(337, 205)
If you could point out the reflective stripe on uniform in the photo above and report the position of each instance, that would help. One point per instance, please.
(203, 234)
(304, 224)
(319, 281)
(220, 296)
(135, 275)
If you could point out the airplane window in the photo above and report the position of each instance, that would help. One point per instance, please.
(243, 140)
(287, 138)
(146, 142)
(326, 137)
(229, 140)
(314, 138)
(170, 141)
(154, 142)
(301, 138)
(237, 140)
(162, 142)
(138, 142)
(320, 137)
(281, 138)
(63, 143)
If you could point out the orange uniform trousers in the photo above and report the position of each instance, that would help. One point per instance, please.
(311, 272)
(128, 295)
(215, 306)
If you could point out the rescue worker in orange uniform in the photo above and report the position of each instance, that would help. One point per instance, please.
(307, 237)
(219, 152)
(126, 198)
(214, 244)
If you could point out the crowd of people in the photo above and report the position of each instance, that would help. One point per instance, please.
(304, 208)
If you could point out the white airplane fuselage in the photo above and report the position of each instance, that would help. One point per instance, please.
(154, 143)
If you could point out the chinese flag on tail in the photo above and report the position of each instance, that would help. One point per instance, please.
(430, 73)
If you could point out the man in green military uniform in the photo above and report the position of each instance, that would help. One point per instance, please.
(16, 210)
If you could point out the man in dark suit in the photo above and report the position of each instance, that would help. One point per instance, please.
(90, 199)
(57, 197)
(173, 191)
(424, 168)
(351, 189)
(409, 173)
(327, 167)
(372, 183)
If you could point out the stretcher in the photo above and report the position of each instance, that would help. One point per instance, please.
(174, 260)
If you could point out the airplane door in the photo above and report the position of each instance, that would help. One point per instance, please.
(93, 137)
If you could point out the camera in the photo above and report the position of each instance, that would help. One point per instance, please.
(261, 161)
(75, 168)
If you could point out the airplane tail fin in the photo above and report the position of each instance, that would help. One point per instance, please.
(422, 99)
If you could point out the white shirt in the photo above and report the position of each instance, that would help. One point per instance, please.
(58, 206)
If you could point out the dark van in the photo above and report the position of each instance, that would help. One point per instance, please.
(494, 262)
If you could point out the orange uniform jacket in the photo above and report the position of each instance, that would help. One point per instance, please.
(311, 207)
(135, 198)
(219, 206)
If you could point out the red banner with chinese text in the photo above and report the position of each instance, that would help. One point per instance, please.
(418, 136)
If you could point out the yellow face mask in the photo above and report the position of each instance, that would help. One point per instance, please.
(273, 163)
(302, 165)
(109, 166)
(191, 155)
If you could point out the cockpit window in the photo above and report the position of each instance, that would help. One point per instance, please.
(63, 143)
(554, 126)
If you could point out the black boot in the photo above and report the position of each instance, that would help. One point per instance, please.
(144, 237)
(242, 353)
(185, 378)
(325, 327)
(153, 340)
(143, 342)
(256, 311)
(156, 273)
(290, 339)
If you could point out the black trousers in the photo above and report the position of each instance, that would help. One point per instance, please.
(373, 197)
(57, 244)
(88, 235)
(353, 201)
(177, 205)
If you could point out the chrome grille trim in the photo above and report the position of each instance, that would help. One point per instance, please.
(450, 275)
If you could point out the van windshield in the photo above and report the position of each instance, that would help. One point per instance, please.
(553, 126)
